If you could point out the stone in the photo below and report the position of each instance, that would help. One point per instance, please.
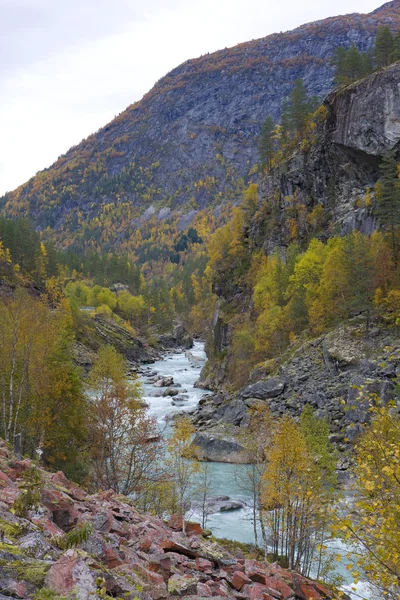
(239, 579)
(266, 388)
(280, 586)
(255, 591)
(192, 528)
(71, 574)
(204, 565)
(219, 446)
(34, 544)
(176, 522)
(5, 481)
(181, 585)
(171, 392)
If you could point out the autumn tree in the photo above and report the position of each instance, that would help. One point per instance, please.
(294, 497)
(204, 487)
(255, 441)
(40, 386)
(181, 466)
(373, 528)
(124, 439)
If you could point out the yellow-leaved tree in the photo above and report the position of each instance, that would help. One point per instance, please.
(124, 438)
(295, 496)
(373, 527)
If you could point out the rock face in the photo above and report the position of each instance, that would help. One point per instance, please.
(126, 554)
(200, 122)
(365, 117)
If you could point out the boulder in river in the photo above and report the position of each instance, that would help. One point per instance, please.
(164, 382)
(179, 400)
(170, 392)
(218, 446)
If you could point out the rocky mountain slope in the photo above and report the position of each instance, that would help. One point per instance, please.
(200, 123)
(82, 546)
(338, 372)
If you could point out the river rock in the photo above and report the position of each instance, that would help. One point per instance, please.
(164, 382)
(170, 392)
(267, 388)
(179, 400)
(218, 446)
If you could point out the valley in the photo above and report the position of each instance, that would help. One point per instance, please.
(199, 323)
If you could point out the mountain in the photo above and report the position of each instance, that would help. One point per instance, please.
(190, 143)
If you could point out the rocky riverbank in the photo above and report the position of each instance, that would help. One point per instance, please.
(80, 546)
(338, 374)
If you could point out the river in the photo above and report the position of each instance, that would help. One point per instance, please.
(236, 524)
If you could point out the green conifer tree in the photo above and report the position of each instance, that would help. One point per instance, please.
(384, 47)
(266, 145)
(388, 205)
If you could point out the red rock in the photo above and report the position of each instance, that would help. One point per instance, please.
(65, 515)
(20, 465)
(256, 575)
(46, 525)
(146, 543)
(323, 590)
(306, 591)
(175, 522)
(277, 584)
(71, 572)
(4, 453)
(204, 565)
(160, 565)
(111, 558)
(193, 528)
(239, 580)
(267, 597)
(169, 545)
(204, 590)
(5, 480)
(107, 495)
(78, 494)
(17, 588)
(13, 475)
(60, 479)
(256, 591)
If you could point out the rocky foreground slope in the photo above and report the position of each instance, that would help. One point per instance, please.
(200, 122)
(123, 554)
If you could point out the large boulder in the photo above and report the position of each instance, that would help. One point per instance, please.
(264, 389)
(218, 446)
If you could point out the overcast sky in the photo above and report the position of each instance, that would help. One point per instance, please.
(67, 67)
